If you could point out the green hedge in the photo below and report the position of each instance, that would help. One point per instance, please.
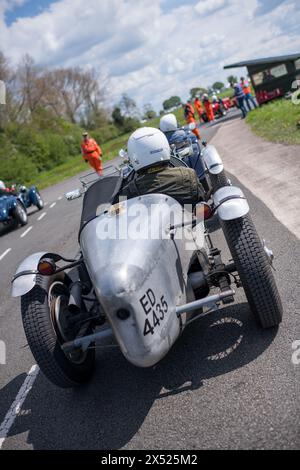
(14, 167)
(105, 133)
(29, 149)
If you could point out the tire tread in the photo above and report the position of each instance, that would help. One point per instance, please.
(254, 269)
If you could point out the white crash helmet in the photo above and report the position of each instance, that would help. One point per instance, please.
(2, 185)
(168, 123)
(146, 147)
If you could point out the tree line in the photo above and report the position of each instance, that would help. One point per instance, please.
(46, 111)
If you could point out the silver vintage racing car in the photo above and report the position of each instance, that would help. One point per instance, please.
(146, 270)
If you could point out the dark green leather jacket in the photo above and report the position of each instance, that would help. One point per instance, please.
(180, 183)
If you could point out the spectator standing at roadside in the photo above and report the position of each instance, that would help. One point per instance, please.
(92, 153)
(247, 92)
(240, 97)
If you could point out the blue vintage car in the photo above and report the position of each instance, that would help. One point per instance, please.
(13, 205)
(30, 197)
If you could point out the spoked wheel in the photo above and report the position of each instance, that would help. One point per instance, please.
(39, 201)
(45, 322)
(20, 214)
(255, 271)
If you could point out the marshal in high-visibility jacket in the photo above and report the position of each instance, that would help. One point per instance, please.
(189, 114)
(208, 108)
(199, 108)
(92, 153)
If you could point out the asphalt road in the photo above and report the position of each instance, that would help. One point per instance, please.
(225, 384)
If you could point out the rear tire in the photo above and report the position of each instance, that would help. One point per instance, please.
(219, 181)
(20, 214)
(254, 269)
(45, 344)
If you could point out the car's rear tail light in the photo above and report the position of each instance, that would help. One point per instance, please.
(46, 267)
(204, 211)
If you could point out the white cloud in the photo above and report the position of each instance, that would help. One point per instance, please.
(148, 52)
(207, 6)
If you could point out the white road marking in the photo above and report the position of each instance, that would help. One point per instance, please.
(5, 253)
(52, 205)
(15, 408)
(42, 215)
(26, 231)
(60, 198)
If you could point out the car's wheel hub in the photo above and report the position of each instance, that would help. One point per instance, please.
(58, 298)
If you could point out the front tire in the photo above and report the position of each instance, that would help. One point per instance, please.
(44, 340)
(254, 269)
(218, 181)
(20, 214)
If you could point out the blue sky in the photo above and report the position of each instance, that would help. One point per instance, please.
(150, 49)
(28, 9)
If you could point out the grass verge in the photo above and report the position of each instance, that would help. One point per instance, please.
(276, 122)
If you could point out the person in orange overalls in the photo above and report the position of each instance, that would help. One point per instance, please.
(208, 108)
(199, 108)
(92, 153)
(189, 114)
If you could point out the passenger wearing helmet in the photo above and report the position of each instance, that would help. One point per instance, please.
(168, 125)
(149, 154)
(183, 142)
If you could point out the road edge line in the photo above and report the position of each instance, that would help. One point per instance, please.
(16, 406)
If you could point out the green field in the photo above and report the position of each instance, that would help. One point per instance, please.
(227, 93)
(75, 165)
(276, 122)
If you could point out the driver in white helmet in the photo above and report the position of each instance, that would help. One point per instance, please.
(169, 126)
(149, 154)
